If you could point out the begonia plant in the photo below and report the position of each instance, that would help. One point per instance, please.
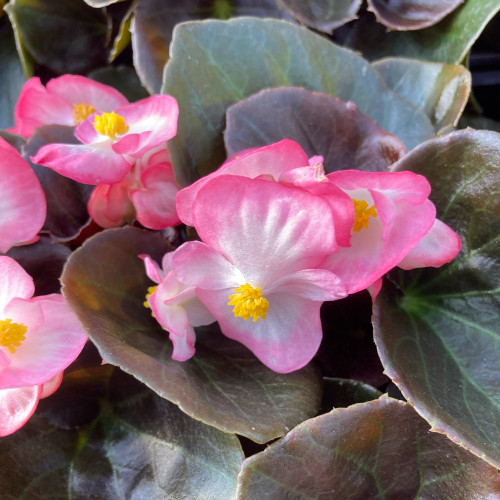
(249, 249)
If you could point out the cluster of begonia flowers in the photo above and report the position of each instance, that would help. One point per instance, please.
(278, 236)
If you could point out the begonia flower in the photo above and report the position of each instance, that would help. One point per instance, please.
(147, 193)
(112, 142)
(257, 267)
(66, 100)
(395, 224)
(39, 338)
(285, 162)
(175, 306)
(22, 206)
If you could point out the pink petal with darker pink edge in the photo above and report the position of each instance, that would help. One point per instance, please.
(109, 205)
(22, 205)
(16, 407)
(438, 247)
(16, 283)
(272, 160)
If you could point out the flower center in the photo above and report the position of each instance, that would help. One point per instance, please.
(362, 214)
(11, 334)
(248, 301)
(110, 125)
(81, 112)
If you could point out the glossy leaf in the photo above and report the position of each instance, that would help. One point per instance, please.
(44, 262)
(82, 33)
(13, 78)
(320, 14)
(123, 37)
(207, 74)
(155, 20)
(342, 392)
(437, 329)
(448, 41)
(321, 124)
(67, 200)
(441, 91)
(380, 449)
(223, 385)
(406, 15)
(127, 443)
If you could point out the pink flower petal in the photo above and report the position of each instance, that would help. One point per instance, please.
(438, 247)
(51, 386)
(153, 270)
(49, 348)
(285, 341)
(16, 407)
(77, 89)
(264, 228)
(110, 206)
(155, 201)
(22, 205)
(85, 163)
(197, 264)
(270, 160)
(16, 282)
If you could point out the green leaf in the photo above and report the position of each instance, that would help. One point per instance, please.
(342, 392)
(105, 435)
(441, 91)
(448, 41)
(411, 14)
(321, 124)
(217, 63)
(380, 449)
(44, 262)
(67, 37)
(123, 37)
(155, 20)
(223, 385)
(324, 15)
(437, 329)
(67, 212)
(13, 78)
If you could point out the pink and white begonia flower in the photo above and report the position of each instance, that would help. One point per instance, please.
(257, 267)
(39, 338)
(285, 162)
(66, 100)
(22, 206)
(395, 224)
(147, 193)
(175, 306)
(112, 142)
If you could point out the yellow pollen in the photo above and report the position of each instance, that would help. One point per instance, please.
(11, 334)
(362, 214)
(81, 112)
(151, 290)
(110, 124)
(248, 302)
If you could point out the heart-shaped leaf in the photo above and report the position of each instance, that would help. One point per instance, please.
(223, 385)
(67, 212)
(437, 329)
(448, 41)
(412, 14)
(105, 435)
(320, 14)
(441, 91)
(217, 63)
(37, 22)
(379, 449)
(321, 124)
(155, 20)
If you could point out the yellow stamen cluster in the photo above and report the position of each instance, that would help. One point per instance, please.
(81, 112)
(248, 302)
(12, 334)
(110, 125)
(362, 214)
(151, 290)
